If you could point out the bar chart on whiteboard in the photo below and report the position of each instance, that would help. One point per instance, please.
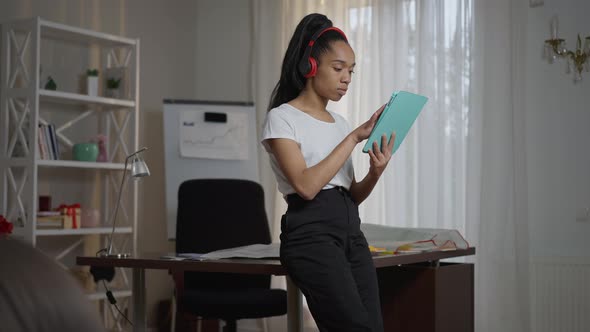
(225, 139)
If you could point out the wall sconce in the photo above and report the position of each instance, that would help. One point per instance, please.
(577, 60)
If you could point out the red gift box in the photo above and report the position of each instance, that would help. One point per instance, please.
(71, 215)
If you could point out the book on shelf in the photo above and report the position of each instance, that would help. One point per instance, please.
(42, 143)
(47, 143)
(54, 143)
(50, 154)
(48, 213)
(57, 220)
(50, 222)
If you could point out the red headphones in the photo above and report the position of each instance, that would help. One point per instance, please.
(308, 66)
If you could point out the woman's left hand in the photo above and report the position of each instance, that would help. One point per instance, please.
(380, 157)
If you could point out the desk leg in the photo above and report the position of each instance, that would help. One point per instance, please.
(294, 305)
(139, 319)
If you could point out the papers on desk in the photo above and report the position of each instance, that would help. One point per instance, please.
(172, 257)
(251, 251)
(403, 240)
(184, 256)
(194, 257)
(384, 240)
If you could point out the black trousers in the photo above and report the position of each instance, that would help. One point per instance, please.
(328, 258)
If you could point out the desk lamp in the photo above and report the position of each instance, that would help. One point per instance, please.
(139, 169)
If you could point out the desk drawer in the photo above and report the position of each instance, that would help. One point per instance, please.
(423, 298)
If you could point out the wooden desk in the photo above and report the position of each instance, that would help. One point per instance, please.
(418, 293)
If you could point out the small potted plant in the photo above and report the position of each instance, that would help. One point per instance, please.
(50, 85)
(113, 87)
(92, 82)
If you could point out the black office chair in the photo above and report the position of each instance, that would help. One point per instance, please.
(217, 214)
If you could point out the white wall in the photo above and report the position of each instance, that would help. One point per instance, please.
(557, 135)
(167, 35)
(223, 44)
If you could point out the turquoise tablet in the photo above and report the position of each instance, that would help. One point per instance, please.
(398, 116)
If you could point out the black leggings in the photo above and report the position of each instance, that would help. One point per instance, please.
(327, 257)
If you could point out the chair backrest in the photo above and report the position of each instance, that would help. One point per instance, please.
(217, 214)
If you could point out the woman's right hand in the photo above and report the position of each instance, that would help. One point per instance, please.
(363, 131)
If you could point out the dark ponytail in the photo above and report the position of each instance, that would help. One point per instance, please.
(292, 81)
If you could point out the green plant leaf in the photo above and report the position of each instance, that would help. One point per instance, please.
(113, 83)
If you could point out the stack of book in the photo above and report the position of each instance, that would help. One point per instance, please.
(47, 145)
(50, 220)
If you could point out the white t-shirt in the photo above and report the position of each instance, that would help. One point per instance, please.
(315, 138)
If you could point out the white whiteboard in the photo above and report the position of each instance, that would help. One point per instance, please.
(198, 149)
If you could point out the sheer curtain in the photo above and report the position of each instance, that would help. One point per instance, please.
(497, 207)
(462, 164)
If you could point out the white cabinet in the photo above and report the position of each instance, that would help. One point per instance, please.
(32, 50)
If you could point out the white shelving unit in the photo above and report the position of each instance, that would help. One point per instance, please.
(84, 231)
(75, 98)
(24, 105)
(80, 164)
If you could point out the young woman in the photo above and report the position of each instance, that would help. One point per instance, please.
(322, 246)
